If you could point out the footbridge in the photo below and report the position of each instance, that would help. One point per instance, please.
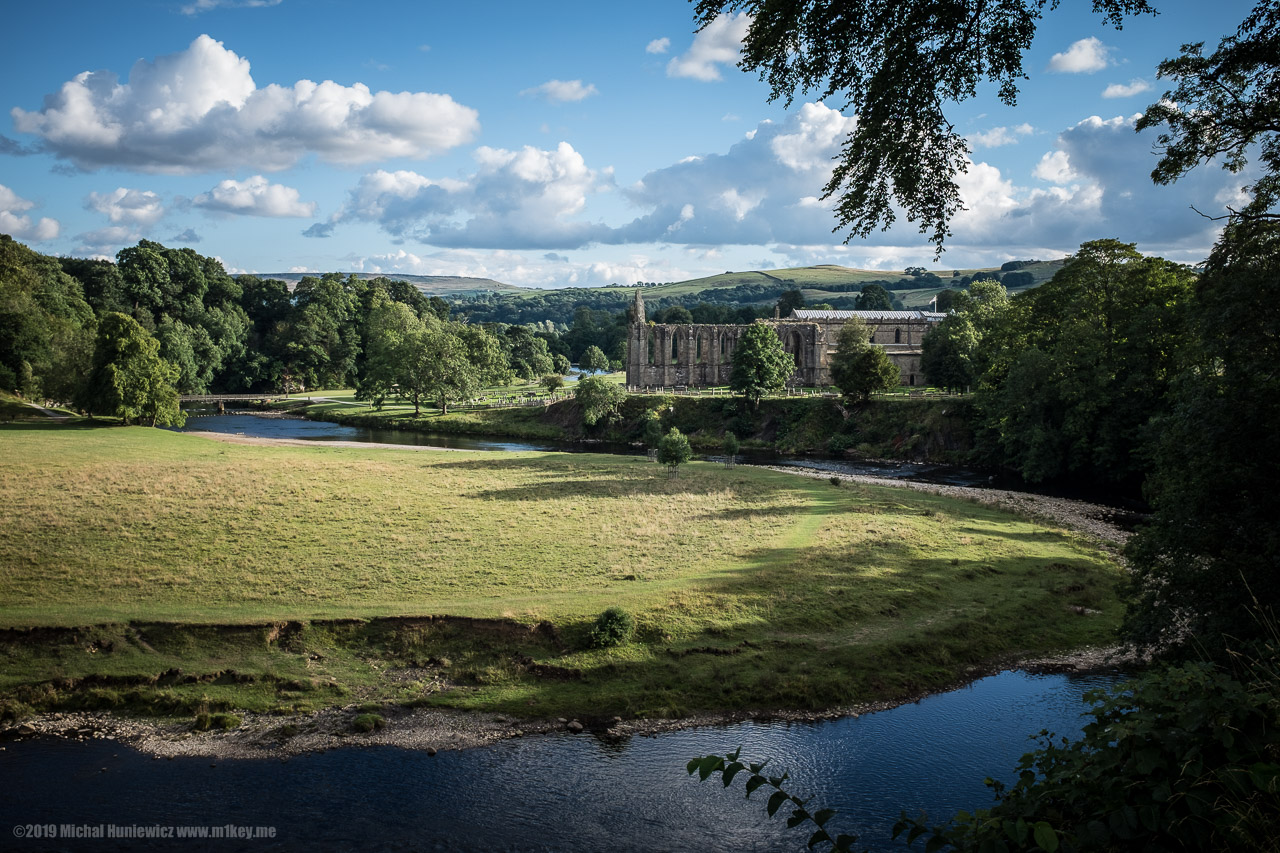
(223, 399)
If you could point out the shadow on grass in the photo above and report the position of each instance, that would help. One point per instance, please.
(49, 424)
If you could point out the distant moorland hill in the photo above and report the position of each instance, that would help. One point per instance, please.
(444, 286)
(829, 284)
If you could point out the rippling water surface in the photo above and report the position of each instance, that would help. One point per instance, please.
(557, 792)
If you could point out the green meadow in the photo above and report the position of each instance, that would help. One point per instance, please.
(152, 571)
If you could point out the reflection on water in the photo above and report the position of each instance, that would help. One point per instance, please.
(560, 792)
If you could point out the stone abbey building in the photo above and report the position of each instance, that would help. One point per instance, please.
(701, 354)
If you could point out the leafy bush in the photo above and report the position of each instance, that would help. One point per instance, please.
(368, 722)
(613, 628)
(674, 451)
(730, 447)
(226, 721)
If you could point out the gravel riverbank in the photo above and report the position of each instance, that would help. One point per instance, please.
(1096, 521)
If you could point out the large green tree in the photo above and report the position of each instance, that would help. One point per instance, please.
(128, 379)
(1083, 364)
(1225, 108)
(598, 397)
(954, 352)
(46, 327)
(859, 367)
(760, 364)
(1206, 569)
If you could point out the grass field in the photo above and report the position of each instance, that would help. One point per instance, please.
(307, 573)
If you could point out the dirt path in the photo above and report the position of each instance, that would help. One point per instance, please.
(57, 416)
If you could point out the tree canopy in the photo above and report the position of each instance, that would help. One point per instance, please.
(128, 379)
(1209, 556)
(859, 367)
(760, 364)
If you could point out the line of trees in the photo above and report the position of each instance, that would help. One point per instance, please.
(206, 331)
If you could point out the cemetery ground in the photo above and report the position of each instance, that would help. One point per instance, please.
(147, 571)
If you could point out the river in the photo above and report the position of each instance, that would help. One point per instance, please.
(556, 792)
(297, 428)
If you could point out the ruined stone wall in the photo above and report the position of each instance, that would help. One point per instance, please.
(701, 355)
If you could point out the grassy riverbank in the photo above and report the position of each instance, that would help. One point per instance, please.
(934, 429)
(214, 575)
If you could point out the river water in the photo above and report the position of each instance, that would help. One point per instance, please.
(558, 792)
(561, 792)
(297, 428)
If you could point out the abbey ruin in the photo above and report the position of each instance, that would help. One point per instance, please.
(701, 355)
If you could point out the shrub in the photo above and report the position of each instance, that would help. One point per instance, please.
(225, 721)
(368, 722)
(613, 628)
(674, 451)
(730, 447)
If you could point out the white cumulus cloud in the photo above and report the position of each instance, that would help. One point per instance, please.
(14, 223)
(200, 110)
(561, 91)
(1083, 57)
(122, 205)
(719, 43)
(516, 199)
(807, 144)
(658, 45)
(1055, 167)
(1136, 86)
(255, 196)
(998, 136)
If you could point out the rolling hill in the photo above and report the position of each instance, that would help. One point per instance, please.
(431, 285)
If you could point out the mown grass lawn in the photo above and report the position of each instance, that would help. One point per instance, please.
(750, 588)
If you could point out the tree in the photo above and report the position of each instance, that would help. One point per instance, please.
(674, 451)
(553, 382)
(439, 367)
(46, 326)
(729, 446)
(598, 397)
(652, 431)
(874, 298)
(896, 69)
(388, 329)
(789, 301)
(127, 378)
(859, 367)
(561, 364)
(760, 364)
(529, 355)
(676, 315)
(955, 351)
(593, 358)
(1224, 107)
(1083, 363)
(1210, 551)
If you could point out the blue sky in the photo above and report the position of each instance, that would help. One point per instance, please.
(543, 145)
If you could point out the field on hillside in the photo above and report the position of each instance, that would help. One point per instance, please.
(749, 588)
